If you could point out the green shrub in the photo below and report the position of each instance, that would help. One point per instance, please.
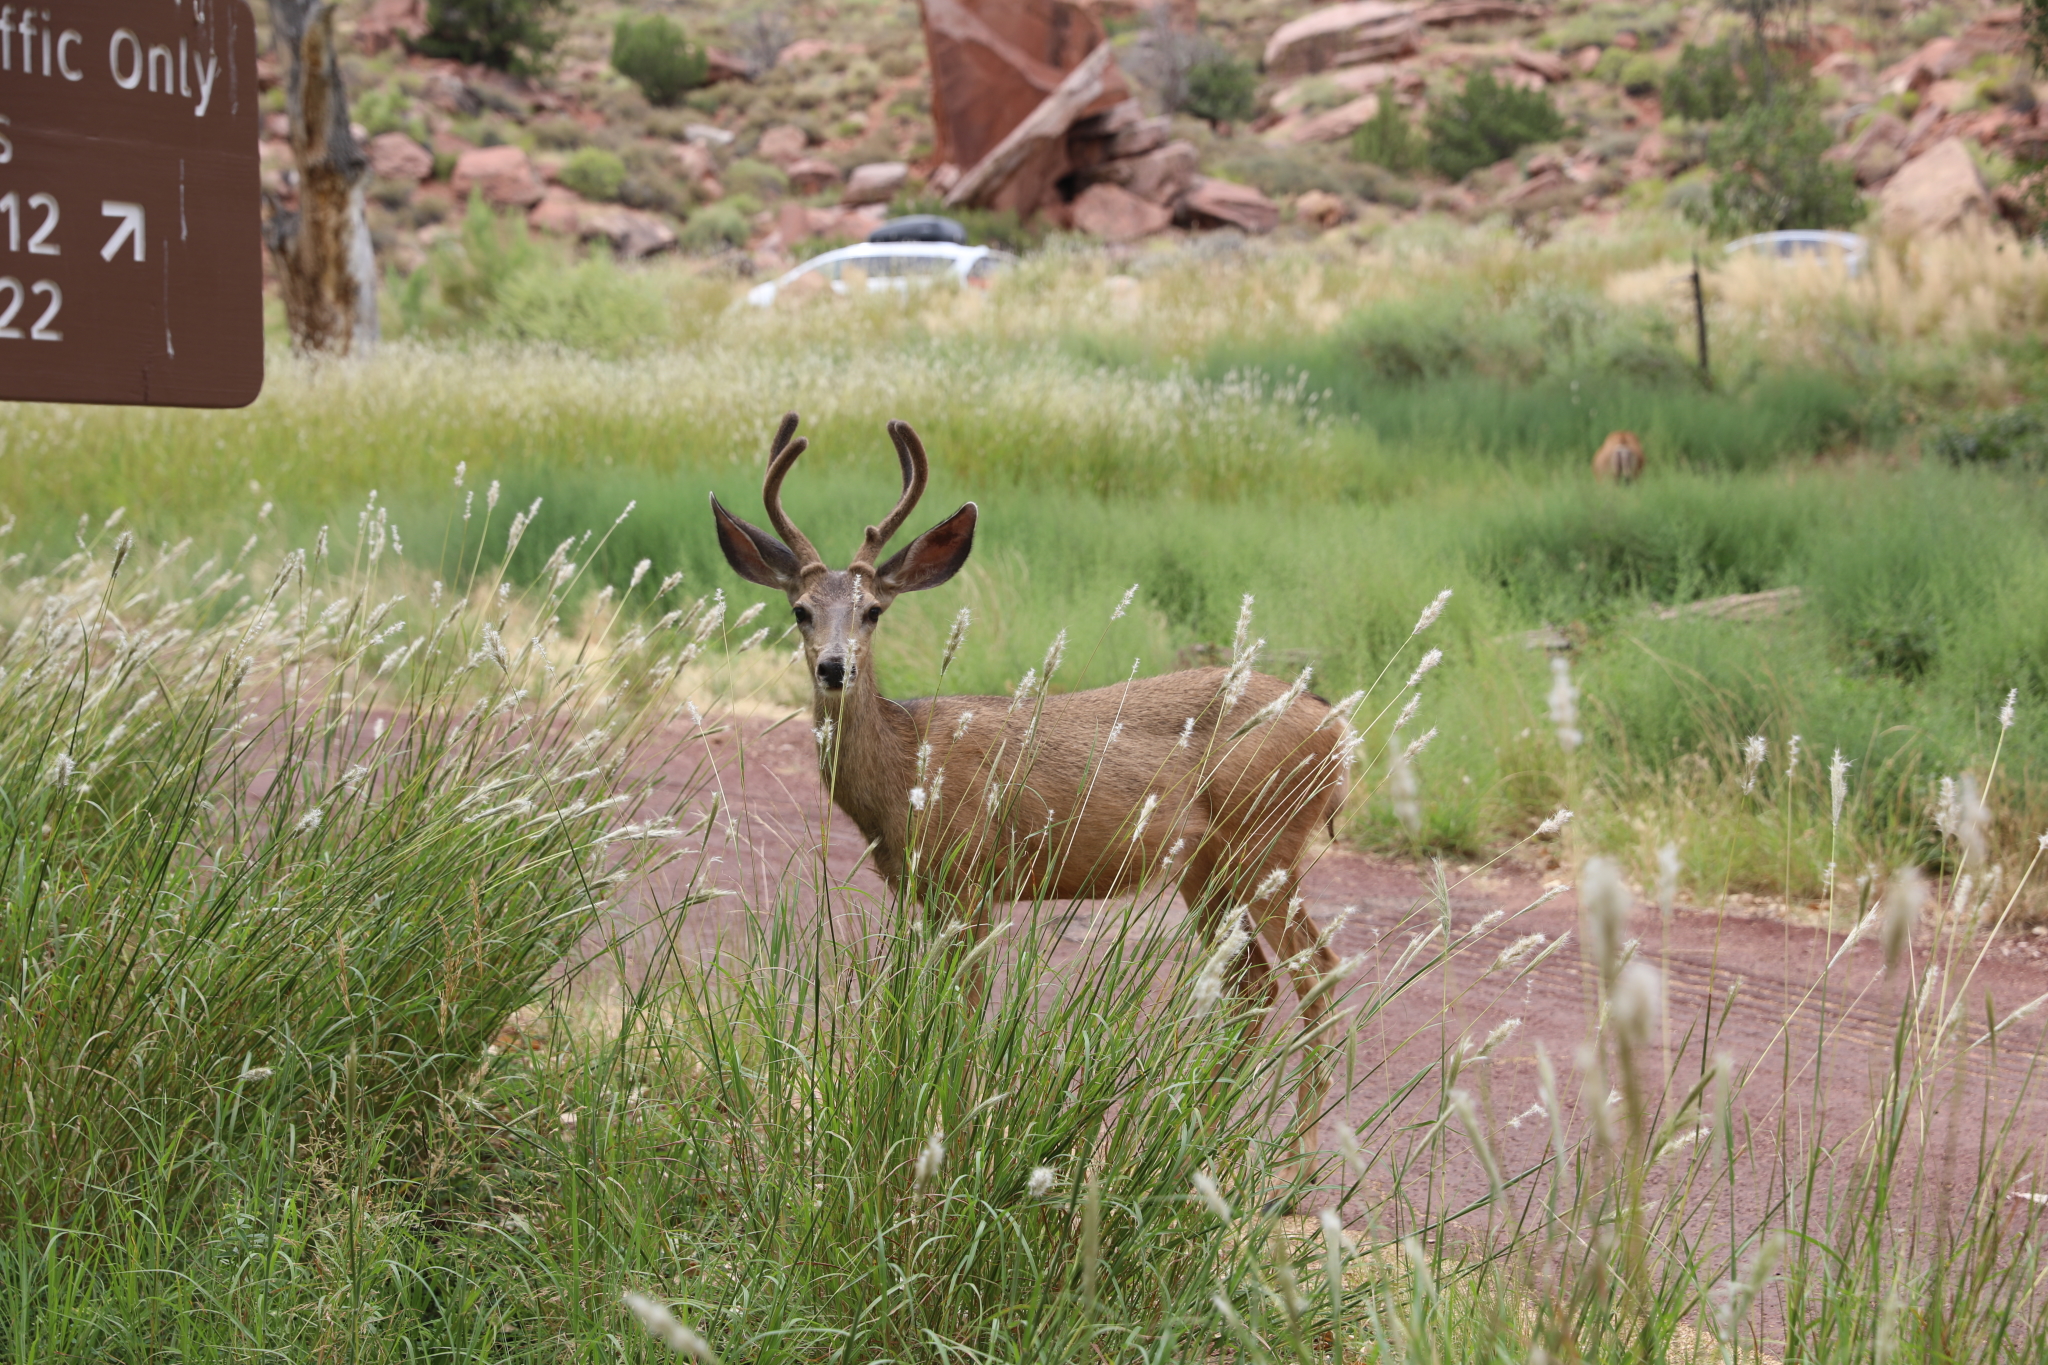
(1220, 88)
(653, 53)
(1486, 122)
(1769, 174)
(714, 227)
(594, 173)
(1641, 74)
(1386, 139)
(387, 110)
(2017, 436)
(1705, 84)
(505, 35)
(757, 178)
(496, 281)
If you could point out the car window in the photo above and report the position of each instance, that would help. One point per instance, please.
(925, 265)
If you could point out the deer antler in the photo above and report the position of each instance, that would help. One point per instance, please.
(916, 470)
(782, 456)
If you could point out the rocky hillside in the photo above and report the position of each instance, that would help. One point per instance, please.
(815, 121)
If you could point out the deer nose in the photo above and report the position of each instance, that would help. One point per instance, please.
(832, 673)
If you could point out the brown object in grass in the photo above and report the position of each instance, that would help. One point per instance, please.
(1620, 459)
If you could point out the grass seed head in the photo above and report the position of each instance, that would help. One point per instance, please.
(931, 1161)
(1564, 705)
(1903, 901)
(1638, 1003)
(661, 1324)
(1429, 613)
(1211, 1197)
(1429, 661)
(1041, 1183)
(1603, 905)
(1754, 750)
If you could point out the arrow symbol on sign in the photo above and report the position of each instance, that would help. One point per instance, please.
(130, 230)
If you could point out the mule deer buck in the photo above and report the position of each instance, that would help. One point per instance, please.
(1620, 458)
(1217, 777)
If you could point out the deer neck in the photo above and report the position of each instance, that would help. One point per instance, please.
(867, 766)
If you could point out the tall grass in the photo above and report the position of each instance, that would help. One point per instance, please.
(283, 853)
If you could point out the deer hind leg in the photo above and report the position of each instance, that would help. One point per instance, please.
(1211, 892)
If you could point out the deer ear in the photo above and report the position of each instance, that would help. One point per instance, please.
(933, 557)
(754, 554)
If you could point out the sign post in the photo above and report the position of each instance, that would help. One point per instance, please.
(130, 239)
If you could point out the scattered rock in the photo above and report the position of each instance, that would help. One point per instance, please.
(803, 50)
(875, 183)
(1321, 209)
(1850, 68)
(809, 174)
(1159, 177)
(633, 234)
(1116, 215)
(1947, 95)
(1544, 189)
(707, 135)
(1875, 152)
(1935, 191)
(560, 211)
(782, 144)
(721, 66)
(693, 160)
(394, 156)
(1146, 136)
(1343, 35)
(391, 24)
(1647, 160)
(1586, 59)
(1219, 203)
(1331, 124)
(1183, 16)
(1451, 13)
(1548, 65)
(448, 92)
(1931, 63)
(503, 174)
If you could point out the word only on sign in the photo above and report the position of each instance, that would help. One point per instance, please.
(130, 237)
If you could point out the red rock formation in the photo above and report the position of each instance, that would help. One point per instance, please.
(993, 62)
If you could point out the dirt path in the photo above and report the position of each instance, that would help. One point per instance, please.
(1753, 988)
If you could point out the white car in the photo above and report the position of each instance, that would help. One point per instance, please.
(1808, 244)
(891, 265)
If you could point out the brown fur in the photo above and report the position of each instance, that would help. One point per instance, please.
(1235, 804)
(1620, 458)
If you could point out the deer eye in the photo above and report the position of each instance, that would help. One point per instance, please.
(803, 616)
(874, 614)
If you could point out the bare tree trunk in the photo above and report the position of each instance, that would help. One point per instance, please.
(322, 249)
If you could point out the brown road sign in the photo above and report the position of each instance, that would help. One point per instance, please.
(130, 248)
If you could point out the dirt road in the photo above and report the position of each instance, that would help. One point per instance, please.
(1749, 987)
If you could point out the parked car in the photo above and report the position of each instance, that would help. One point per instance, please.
(891, 265)
(1807, 244)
